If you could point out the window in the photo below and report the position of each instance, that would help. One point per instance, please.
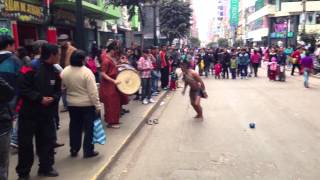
(318, 18)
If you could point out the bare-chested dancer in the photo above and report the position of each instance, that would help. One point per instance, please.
(197, 88)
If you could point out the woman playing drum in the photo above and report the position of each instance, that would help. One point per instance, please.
(109, 94)
(197, 88)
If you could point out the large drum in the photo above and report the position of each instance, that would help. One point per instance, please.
(129, 78)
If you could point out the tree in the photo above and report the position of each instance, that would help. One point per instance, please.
(195, 42)
(223, 42)
(212, 44)
(238, 43)
(175, 17)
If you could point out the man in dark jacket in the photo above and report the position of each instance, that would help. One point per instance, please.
(39, 90)
(225, 64)
(6, 95)
(9, 69)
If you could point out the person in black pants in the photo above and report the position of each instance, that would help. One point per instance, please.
(225, 64)
(40, 90)
(83, 104)
(164, 68)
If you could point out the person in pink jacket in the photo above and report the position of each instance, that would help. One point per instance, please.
(255, 61)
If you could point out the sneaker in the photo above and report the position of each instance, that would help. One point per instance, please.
(14, 145)
(91, 155)
(145, 101)
(152, 100)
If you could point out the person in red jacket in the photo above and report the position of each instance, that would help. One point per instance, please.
(296, 60)
(164, 68)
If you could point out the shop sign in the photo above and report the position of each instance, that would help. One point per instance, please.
(234, 12)
(64, 17)
(21, 11)
(280, 35)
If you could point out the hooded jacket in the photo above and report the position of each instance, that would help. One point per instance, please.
(9, 68)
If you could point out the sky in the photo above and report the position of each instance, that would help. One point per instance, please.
(204, 11)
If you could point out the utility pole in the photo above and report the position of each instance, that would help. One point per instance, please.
(304, 2)
(79, 35)
(155, 23)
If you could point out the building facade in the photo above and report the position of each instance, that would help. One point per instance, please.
(30, 20)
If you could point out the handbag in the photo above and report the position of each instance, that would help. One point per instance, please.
(99, 136)
(294, 60)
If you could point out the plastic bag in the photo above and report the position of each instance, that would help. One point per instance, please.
(99, 135)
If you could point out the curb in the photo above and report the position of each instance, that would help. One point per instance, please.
(105, 168)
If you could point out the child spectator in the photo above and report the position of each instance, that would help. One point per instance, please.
(233, 66)
(273, 69)
(217, 70)
(173, 81)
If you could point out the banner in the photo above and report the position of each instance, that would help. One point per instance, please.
(234, 13)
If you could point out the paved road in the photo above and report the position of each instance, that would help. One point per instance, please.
(284, 146)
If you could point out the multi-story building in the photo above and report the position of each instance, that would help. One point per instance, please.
(291, 19)
(258, 21)
(221, 27)
(268, 22)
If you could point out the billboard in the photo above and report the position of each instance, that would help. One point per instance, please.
(234, 13)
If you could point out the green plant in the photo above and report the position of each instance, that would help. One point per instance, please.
(175, 17)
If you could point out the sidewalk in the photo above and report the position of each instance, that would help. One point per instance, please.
(91, 169)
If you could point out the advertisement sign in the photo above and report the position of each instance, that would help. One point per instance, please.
(21, 11)
(281, 28)
(234, 13)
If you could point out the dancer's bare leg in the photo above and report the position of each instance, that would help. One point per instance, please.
(197, 107)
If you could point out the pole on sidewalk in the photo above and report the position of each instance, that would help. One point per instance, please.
(79, 35)
(155, 23)
(304, 9)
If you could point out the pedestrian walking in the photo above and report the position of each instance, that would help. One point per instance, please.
(39, 90)
(296, 60)
(307, 65)
(83, 104)
(197, 88)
